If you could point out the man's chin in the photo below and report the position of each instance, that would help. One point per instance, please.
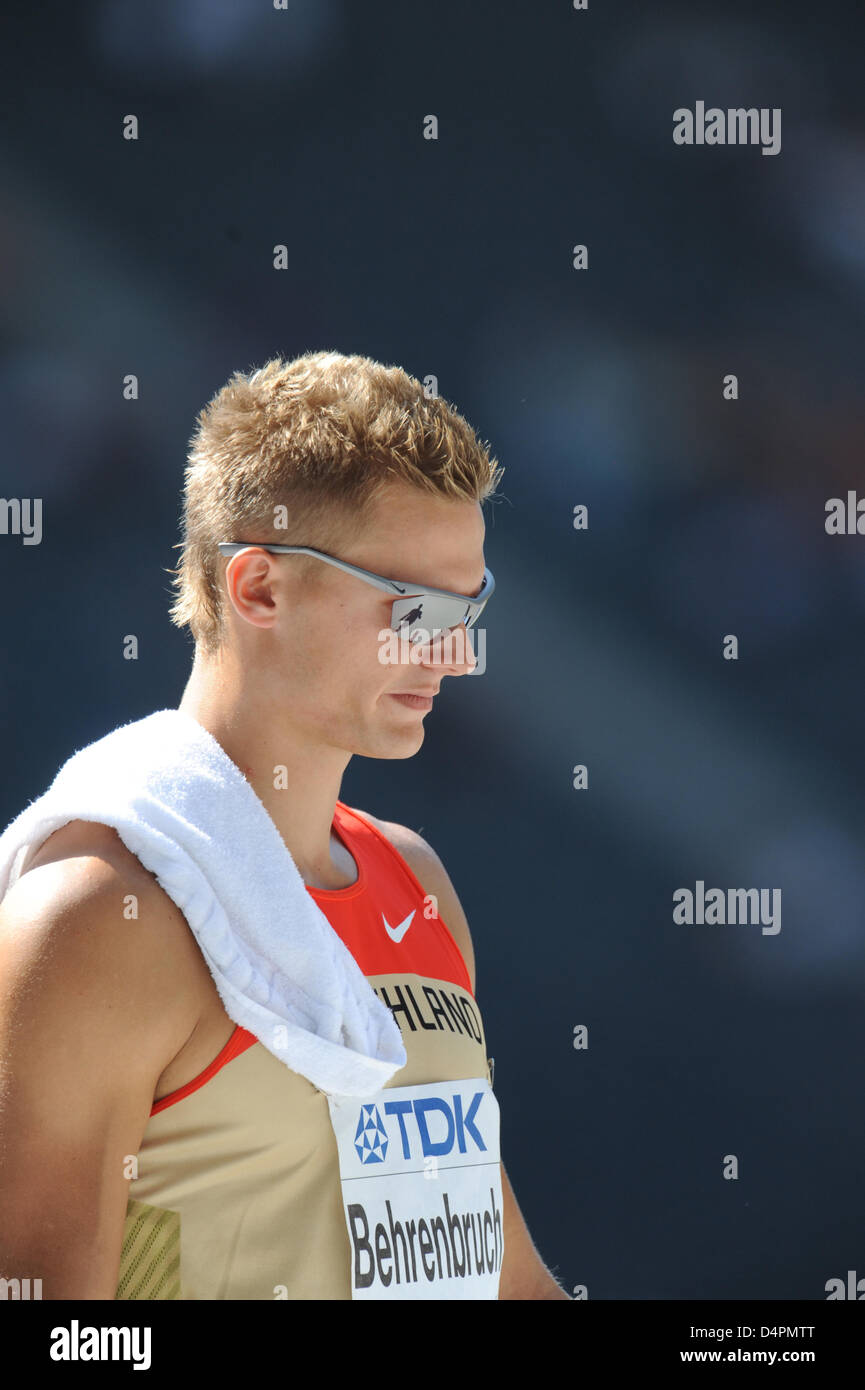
(394, 746)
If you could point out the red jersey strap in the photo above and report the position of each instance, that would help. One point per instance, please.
(387, 919)
(239, 1041)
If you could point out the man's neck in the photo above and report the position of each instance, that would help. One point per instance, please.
(296, 780)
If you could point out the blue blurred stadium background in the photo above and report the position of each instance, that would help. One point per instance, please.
(453, 257)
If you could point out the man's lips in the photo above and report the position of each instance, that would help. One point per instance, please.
(415, 699)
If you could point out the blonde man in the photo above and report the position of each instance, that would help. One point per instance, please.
(318, 492)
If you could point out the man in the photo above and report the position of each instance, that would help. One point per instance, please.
(149, 1146)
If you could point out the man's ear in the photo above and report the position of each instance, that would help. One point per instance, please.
(250, 578)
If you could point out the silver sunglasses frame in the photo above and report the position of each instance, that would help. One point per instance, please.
(403, 589)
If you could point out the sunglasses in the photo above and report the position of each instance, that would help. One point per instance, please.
(419, 615)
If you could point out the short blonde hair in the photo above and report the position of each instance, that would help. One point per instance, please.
(318, 435)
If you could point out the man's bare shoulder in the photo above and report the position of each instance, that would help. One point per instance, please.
(86, 863)
(84, 839)
(86, 902)
(433, 877)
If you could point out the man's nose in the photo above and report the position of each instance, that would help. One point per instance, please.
(451, 652)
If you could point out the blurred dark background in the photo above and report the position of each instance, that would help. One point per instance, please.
(603, 646)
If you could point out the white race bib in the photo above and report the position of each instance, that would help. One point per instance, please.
(420, 1168)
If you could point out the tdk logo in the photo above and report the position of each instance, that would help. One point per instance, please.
(416, 1120)
(370, 1140)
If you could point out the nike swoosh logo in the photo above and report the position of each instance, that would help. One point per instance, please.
(397, 933)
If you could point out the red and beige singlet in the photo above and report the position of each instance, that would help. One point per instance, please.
(253, 1184)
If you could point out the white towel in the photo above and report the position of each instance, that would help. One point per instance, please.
(181, 805)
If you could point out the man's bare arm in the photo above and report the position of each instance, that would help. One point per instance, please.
(90, 1016)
